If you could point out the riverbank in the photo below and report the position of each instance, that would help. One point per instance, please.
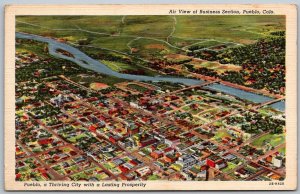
(87, 62)
(247, 89)
(240, 87)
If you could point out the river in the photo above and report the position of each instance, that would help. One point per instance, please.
(87, 62)
(240, 93)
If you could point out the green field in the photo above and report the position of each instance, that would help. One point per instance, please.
(153, 177)
(267, 110)
(228, 28)
(221, 134)
(282, 150)
(230, 167)
(115, 32)
(152, 48)
(204, 44)
(273, 139)
(144, 42)
(36, 48)
(119, 67)
(137, 87)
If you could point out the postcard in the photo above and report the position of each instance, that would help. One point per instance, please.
(150, 97)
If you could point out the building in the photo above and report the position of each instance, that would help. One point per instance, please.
(156, 154)
(277, 161)
(242, 172)
(132, 129)
(126, 143)
(229, 156)
(146, 142)
(186, 161)
(212, 160)
(143, 171)
(198, 172)
(172, 141)
(221, 164)
(169, 150)
(170, 158)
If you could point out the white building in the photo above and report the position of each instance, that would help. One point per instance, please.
(277, 161)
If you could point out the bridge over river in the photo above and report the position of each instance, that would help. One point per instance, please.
(87, 62)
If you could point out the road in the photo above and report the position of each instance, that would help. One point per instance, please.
(270, 152)
(268, 102)
(161, 120)
(189, 88)
(223, 147)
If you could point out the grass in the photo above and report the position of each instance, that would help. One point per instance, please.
(282, 150)
(186, 108)
(88, 174)
(101, 176)
(166, 85)
(273, 139)
(230, 167)
(220, 28)
(148, 26)
(119, 67)
(120, 33)
(74, 139)
(106, 56)
(219, 68)
(267, 110)
(36, 48)
(149, 48)
(112, 42)
(109, 80)
(177, 58)
(183, 42)
(153, 177)
(107, 24)
(111, 32)
(137, 87)
(78, 176)
(109, 165)
(205, 44)
(86, 79)
(221, 134)
(228, 28)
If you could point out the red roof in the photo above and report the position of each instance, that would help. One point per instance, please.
(145, 119)
(45, 141)
(133, 162)
(18, 176)
(172, 138)
(123, 169)
(168, 149)
(92, 128)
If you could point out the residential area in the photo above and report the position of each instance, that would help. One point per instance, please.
(66, 131)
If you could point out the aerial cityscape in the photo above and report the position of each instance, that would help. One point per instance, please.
(173, 98)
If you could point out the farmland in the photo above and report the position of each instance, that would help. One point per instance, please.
(116, 32)
(143, 44)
